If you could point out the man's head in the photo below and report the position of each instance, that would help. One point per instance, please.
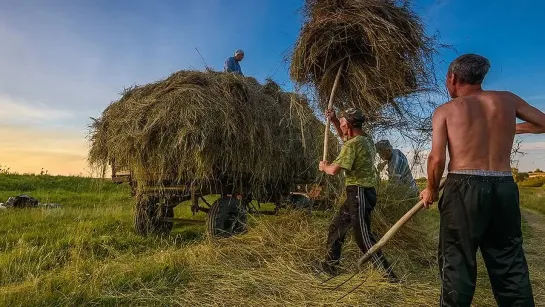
(384, 149)
(466, 70)
(351, 120)
(239, 55)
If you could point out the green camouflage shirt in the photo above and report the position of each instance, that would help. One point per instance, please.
(357, 158)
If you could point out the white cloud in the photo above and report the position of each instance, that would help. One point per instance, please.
(540, 145)
(13, 111)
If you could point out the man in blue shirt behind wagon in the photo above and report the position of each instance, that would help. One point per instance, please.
(232, 63)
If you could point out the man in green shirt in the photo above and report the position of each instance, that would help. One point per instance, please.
(357, 159)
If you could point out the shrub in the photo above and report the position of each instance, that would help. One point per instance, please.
(535, 182)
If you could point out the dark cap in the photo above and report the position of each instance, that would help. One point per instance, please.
(383, 145)
(354, 117)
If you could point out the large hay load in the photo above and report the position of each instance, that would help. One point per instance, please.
(198, 133)
(381, 46)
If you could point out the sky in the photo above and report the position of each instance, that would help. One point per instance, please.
(64, 61)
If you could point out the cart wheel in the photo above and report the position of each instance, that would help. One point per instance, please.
(149, 215)
(300, 202)
(226, 217)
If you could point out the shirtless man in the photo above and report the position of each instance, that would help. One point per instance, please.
(480, 203)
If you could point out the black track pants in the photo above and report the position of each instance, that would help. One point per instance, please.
(355, 213)
(479, 212)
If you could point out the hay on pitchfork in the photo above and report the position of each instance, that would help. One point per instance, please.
(202, 126)
(382, 44)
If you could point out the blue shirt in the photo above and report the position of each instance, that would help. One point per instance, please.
(232, 65)
(399, 170)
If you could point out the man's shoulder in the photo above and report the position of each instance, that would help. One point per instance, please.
(442, 110)
(498, 93)
(503, 97)
(398, 152)
(361, 140)
(451, 105)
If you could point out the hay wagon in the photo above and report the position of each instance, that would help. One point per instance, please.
(226, 216)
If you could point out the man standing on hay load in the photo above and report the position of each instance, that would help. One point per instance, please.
(357, 159)
(232, 64)
(480, 202)
(399, 172)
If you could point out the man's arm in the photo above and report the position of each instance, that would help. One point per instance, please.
(395, 166)
(230, 65)
(534, 118)
(330, 169)
(437, 157)
(344, 160)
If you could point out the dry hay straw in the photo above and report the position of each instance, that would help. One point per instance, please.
(382, 44)
(202, 126)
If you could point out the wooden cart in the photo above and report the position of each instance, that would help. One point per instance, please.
(227, 215)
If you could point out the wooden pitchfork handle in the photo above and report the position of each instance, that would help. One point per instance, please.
(329, 107)
(392, 231)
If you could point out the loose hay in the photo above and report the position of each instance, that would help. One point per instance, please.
(382, 44)
(203, 126)
(271, 266)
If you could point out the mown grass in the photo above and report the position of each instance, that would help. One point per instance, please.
(87, 254)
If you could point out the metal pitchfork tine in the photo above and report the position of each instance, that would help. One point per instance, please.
(328, 279)
(353, 289)
(344, 282)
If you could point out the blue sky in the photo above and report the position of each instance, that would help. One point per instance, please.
(62, 61)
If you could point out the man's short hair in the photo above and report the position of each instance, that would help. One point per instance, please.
(239, 51)
(354, 117)
(383, 145)
(470, 68)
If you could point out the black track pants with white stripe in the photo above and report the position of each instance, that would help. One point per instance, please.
(355, 213)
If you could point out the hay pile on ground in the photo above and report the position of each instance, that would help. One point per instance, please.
(272, 266)
(202, 126)
(383, 46)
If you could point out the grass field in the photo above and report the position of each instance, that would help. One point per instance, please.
(533, 199)
(87, 254)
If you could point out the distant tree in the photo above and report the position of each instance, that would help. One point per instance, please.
(537, 170)
(515, 171)
(516, 152)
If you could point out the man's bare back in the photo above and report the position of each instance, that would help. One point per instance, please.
(481, 130)
(477, 127)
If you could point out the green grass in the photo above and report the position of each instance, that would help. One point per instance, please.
(533, 199)
(93, 228)
(87, 254)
